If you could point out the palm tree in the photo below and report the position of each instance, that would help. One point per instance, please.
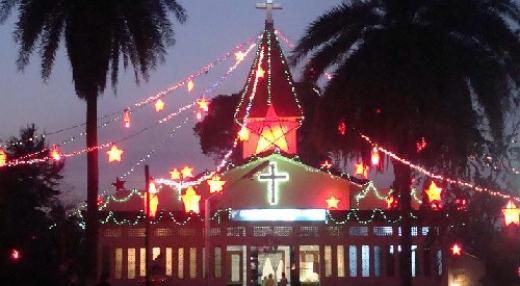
(442, 70)
(97, 34)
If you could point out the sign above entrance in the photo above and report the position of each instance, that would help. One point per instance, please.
(273, 179)
(279, 215)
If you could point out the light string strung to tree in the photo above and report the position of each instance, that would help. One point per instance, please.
(433, 175)
(119, 117)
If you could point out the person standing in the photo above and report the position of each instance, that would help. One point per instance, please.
(270, 280)
(283, 280)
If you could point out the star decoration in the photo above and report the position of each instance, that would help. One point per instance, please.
(456, 249)
(119, 184)
(216, 185)
(391, 202)
(434, 193)
(239, 56)
(511, 214)
(332, 203)
(175, 174)
(272, 134)
(159, 105)
(55, 153)
(191, 200)
(114, 154)
(187, 172)
(191, 85)
(361, 169)
(203, 104)
(243, 134)
(99, 201)
(421, 144)
(260, 73)
(326, 165)
(342, 127)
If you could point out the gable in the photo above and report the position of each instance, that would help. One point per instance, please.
(281, 183)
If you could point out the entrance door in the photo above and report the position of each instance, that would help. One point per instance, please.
(271, 262)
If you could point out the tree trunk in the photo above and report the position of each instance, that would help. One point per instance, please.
(92, 189)
(402, 184)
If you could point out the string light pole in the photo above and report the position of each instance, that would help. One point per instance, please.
(147, 221)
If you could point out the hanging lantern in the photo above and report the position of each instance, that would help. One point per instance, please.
(216, 185)
(126, 118)
(159, 105)
(511, 214)
(3, 158)
(374, 156)
(243, 134)
(154, 200)
(114, 154)
(421, 144)
(342, 127)
(191, 85)
(55, 153)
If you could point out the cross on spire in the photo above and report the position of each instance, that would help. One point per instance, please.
(269, 6)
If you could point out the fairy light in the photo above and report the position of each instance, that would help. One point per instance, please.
(430, 174)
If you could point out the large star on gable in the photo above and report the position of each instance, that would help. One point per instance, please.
(272, 133)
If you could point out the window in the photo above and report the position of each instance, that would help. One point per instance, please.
(180, 267)
(414, 231)
(328, 260)
(340, 250)
(438, 261)
(218, 262)
(193, 262)
(235, 267)
(352, 260)
(118, 263)
(414, 260)
(365, 261)
(383, 230)
(358, 230)
(169, 261)
(309, 263)
(425, 230)
(142, 262)
(377, 261)
(131, 263)
(390, 261)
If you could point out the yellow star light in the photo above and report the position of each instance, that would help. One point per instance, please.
(239, 56)
(3, 158)
(434, 192)
(332, 203)
(187, 172)
(191, 200)
(243, 134)
(456, 249)
(216, 185)
(260, 72)
(203, 104)
(159, 105)
(114, 154)
(511, 214)
(175, 174)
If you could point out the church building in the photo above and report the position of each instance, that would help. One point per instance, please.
(272, 215)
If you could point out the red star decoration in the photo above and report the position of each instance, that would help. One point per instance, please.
(119, 184)
(456, 249)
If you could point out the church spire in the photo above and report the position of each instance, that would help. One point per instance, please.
(268, 6)
(269, 109)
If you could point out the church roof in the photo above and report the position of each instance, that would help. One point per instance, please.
(275, 88)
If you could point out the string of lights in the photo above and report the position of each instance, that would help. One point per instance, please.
(430, 174)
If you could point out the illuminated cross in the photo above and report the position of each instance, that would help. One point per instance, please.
(269, 6)
(273, 178)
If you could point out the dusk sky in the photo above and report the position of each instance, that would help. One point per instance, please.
(212, 29)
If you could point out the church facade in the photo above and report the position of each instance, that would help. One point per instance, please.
(272, 215)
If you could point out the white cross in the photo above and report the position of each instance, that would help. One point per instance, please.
(269, 6)
(273, 178)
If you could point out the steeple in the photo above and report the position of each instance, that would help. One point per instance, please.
(269, 109)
